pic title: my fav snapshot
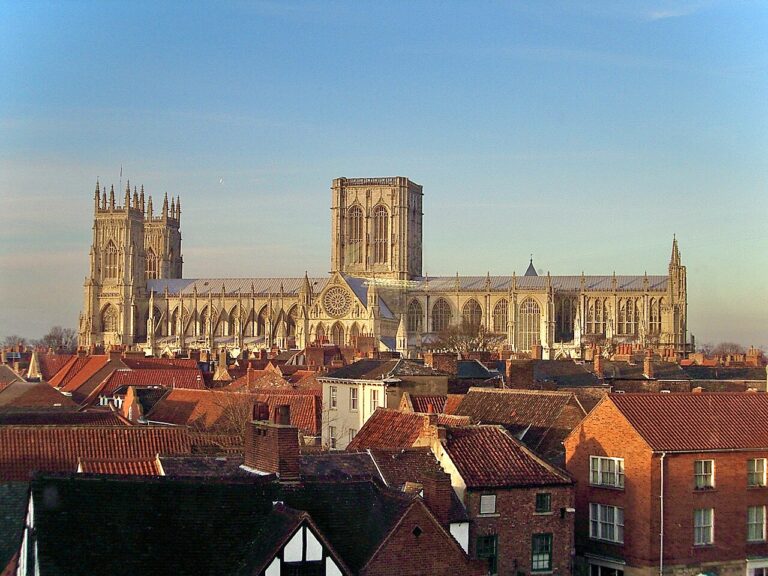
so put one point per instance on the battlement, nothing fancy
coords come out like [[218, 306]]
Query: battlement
[[387, 181], [135, 205]]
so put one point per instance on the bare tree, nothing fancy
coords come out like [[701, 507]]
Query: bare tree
[[466, 337], [728, 348], [13, 340], [59, 339]]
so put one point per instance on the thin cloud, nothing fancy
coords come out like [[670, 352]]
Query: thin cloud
[[678, 12]]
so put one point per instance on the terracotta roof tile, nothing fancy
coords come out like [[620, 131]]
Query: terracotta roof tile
[[50, 364], [393, 429], [120, 466], [422, 402], [160, 363], [34, 395], [488, 456], [27, 449], [452, 402], [8, 376], [174, 378], [62, 418], [695, 422]]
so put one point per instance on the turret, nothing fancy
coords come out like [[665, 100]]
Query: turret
[[141, 199], [149, 209], [96, 197], [103, 198], [173, 207], [674, 260], [165, 207], [135, 199], [178, 208], [112, 197], [401, 337], [127, 203]]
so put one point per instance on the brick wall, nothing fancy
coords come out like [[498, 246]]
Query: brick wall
[[272, 448]]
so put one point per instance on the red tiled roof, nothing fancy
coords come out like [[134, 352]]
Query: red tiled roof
[[191, 379], [488, 456], [306, 410], [7, 376], [394, 429], [34, 395], [50, 364], [119, 466], [160, 363], [422, 402], [695, 422], [83, 372], [26, 449], [257, 379], [452, 403]]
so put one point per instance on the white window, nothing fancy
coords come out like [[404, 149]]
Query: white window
[[353, 399], [756, 523], [606, 471], [606, 523], [487, 503], [374, 400], [703, 526], [352, 433], [704, 473], [756, 472], [334, 398], [332, 436]]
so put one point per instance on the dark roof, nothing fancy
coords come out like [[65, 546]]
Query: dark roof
[[370, 369], [563, 373], [726, 373], [695, 422], [531, 271], [148, 397], [473, 369], [13, 514], [8, 376], [614, 370], [338, 465], [489, 457], [203, 466]]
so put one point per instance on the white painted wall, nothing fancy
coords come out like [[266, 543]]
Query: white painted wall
[[273, 569], [343, 418], [314, 548], [294, 550], [330, 568], [460, 531]]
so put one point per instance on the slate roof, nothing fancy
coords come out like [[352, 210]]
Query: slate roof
[[120, 466], [372, 369], [235, 286], [696, 422], [27, 449], [338, 466], [13, 515], [473, 370], [613, 370], [34, 395], [564, 373], [560, 283], [203, 466], [393, 429], [726, 373], [489, 457]]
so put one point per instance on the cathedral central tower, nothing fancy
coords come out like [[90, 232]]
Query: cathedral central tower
[[376, 227]]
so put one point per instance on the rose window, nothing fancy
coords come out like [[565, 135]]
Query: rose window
[[337, 301]]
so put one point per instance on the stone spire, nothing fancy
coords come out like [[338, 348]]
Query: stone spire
[[178, 208], [127, 203], [96, 196], [136, 199], [165, 206], [531, 271], [112, 197], [675, 258], [141, 199], [149, 208], [402, 337]]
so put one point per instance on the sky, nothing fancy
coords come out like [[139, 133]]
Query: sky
[[584, 133]]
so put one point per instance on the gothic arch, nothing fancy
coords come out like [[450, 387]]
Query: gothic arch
[[290, 320], [471, 314], [261, 322], [415, 316], [109, 319], [530, 324], [355, 234], [380, 236], [354, 333], [152, 267], [110, 261], [319, 333], [441, 315], [337, 334], [501, 316]]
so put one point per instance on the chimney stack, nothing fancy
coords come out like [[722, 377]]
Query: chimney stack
[[273, 446], [598, 363], [648, 365], [437, 495]]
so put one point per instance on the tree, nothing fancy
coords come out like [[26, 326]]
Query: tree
[[13, 340], [466, 337], [59, 339], [728, 348]]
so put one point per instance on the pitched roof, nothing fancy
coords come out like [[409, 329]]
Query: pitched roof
[[393, 429], [203, 466], [8, 376], [120, 466], [27, 449], [62, 418], [34, 395], [726, 372], [338, 466], [625, 371], [697, 422], [50, 364], [561, 283], [149, 362], [13, 515], [422, 402], [452, 402], [187, 378], [563, 373], [488, 456], [473, 370], [376, 369], [75, 372]]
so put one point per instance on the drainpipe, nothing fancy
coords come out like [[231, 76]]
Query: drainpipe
[[661, 517]]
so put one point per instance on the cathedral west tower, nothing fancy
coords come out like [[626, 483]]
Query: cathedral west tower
[[376, 227]]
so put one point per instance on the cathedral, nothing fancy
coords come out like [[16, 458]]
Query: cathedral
[[135, 295]]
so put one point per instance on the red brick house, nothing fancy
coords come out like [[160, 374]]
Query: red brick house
[[672, 483]]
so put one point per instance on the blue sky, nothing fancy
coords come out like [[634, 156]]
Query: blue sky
[[586, 133]]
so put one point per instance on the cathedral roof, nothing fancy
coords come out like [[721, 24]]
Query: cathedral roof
[[531, 270], [262, 286]]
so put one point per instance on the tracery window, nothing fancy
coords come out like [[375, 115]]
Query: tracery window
[[291, 321], [337, 334], [415, 315], [596, 316], [110, 261], [109, 319], [380, 234], [565, 316], [530, 320], [654, 324], [152, 267], [471, 314], [261, 322], [354, 332], [205, 321], [501, 316], [320, 334], [441, 315], [355, 235], [627, 316]]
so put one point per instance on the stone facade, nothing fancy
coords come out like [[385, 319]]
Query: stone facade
[[135, 296]]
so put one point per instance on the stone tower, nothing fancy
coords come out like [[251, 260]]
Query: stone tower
[[130, 245], [376, 227], [676, 318]]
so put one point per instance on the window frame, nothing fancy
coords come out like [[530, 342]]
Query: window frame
[[484, 506], [598, 473], [333, 394], [487, 548], [374, 400], [353, 400], [758, 523], [703, 526], [704, 474], [332, 437], [599, 523], [546, 539], [759, 474], [547, 497]]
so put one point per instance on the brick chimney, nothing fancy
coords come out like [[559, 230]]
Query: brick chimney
[[598, 363], [444, 361], [273, 446], [537, 352], [648, 365], [437, 495]]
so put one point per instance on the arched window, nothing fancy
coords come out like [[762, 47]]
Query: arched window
[[530, 317], [501, 316], [471, 314], [152, 266], [157, 318], [337, 334], [355, 235], [206, 319], [354, 332], [233, 323], [291, 321], [596, 316], [109, 319], [565, 315], [627, 316], [415, 316], [261, 322], [380, 234], [320, 334], [110, 261], [441, 315], [175, 328], [654, 325]]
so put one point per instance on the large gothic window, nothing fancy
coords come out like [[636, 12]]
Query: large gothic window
[[291, 321], [441, 315], [530, 320], [337, 334], [261, 322], [355, 235], [471, 314], [596, 316], [320, 334], [627, 316], [110, 262], [205, 322], [109, 319], [380, 234], [565, 316], [654, 325], [415, 315], [501, 316], [354, 333], [233, 322], [152, 267]]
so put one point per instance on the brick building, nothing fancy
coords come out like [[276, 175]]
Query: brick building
[[672, 484]]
